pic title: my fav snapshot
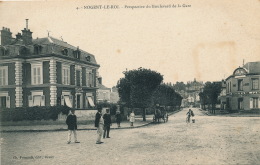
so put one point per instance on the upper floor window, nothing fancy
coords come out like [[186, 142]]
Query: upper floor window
[[240, 84], [78, 77], [4, 75], [91, 79], [36, 73], [255, 83], [65, 74]]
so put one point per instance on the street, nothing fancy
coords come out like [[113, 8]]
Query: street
[[210, 140]]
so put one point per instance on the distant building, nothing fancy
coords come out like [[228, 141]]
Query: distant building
[[114, 96], [45, 72], [222, 95], [242, 88], [193, 89], [103, 92]]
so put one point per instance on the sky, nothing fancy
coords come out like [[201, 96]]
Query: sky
[[206, 41]]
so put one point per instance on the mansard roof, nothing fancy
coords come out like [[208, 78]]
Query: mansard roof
[[252, 67]]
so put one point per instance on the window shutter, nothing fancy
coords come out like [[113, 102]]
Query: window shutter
[[62, 100], [86, 100], [251, 103], [30, 101], [43, 101], [71, 100], [7, 101], [258, 102]]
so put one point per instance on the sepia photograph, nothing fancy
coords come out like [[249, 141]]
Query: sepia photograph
[[127, 82]]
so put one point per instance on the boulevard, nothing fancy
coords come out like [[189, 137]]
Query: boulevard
[[210, 140]]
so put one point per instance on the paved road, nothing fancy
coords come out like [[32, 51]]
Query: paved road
[[211, 140]]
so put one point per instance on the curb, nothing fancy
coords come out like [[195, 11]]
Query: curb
[[86, 129]]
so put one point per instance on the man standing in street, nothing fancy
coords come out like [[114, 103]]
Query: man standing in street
[[99, 123], [71, 121], [107, 124]]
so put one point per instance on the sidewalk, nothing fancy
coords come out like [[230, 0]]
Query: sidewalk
[[90, 126], [226, 114], [46, 128]]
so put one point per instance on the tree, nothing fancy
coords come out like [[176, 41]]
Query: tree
[[210, 94], [137, 87], [165, 95], [180, 86]]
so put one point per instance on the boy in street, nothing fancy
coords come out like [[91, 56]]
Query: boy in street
[[71, 121], [99, 123], [107, 124]]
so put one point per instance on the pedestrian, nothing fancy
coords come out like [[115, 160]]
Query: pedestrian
[[71, 121], [189, 115], [107, 124], [99, 123], [118, 118], [132, 118]]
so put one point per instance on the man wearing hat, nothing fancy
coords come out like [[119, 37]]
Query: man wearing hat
[[71, 121]]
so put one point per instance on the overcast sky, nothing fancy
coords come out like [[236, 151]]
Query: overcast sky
[[206, 41]]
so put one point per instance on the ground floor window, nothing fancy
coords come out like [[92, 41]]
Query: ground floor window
[[255, 102], [2, 102], [36, 99], [89, 101], [67, 100]]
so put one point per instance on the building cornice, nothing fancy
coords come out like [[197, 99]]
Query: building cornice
[[46, 57]]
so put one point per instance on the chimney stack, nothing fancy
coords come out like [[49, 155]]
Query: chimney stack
[[26, 24], [27, 34], [5, 36]]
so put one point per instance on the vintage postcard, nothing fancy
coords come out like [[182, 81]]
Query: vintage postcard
[[130, 82]]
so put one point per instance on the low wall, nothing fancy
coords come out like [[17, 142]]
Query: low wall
[[81, 115]]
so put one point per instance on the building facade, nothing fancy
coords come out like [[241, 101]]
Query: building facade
[[193, 89], [45, 72], [242, 88], [103, 92]]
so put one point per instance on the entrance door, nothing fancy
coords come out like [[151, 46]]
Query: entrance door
[[240, 103]]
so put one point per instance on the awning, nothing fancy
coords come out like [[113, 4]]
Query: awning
[[90, 101], [67, 101], [37, 100]]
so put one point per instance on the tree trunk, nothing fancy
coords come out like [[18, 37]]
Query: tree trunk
[[144, 117]]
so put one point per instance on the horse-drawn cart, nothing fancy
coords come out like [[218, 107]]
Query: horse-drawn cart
[[160, 113]]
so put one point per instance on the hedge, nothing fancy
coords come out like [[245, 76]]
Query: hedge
[[33, 113]]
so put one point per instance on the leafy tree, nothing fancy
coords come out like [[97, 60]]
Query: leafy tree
[[210, 94], [179, 86], [137, 87]]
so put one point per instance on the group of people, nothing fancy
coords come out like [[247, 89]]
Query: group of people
[[102, 123]]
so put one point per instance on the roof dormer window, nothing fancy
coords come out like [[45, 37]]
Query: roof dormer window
[[76, 54], [65, 52], [37, 49], [4, 51], [88, 58]]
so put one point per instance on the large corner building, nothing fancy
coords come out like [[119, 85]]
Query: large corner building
[[242, 88], [45, 72]]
